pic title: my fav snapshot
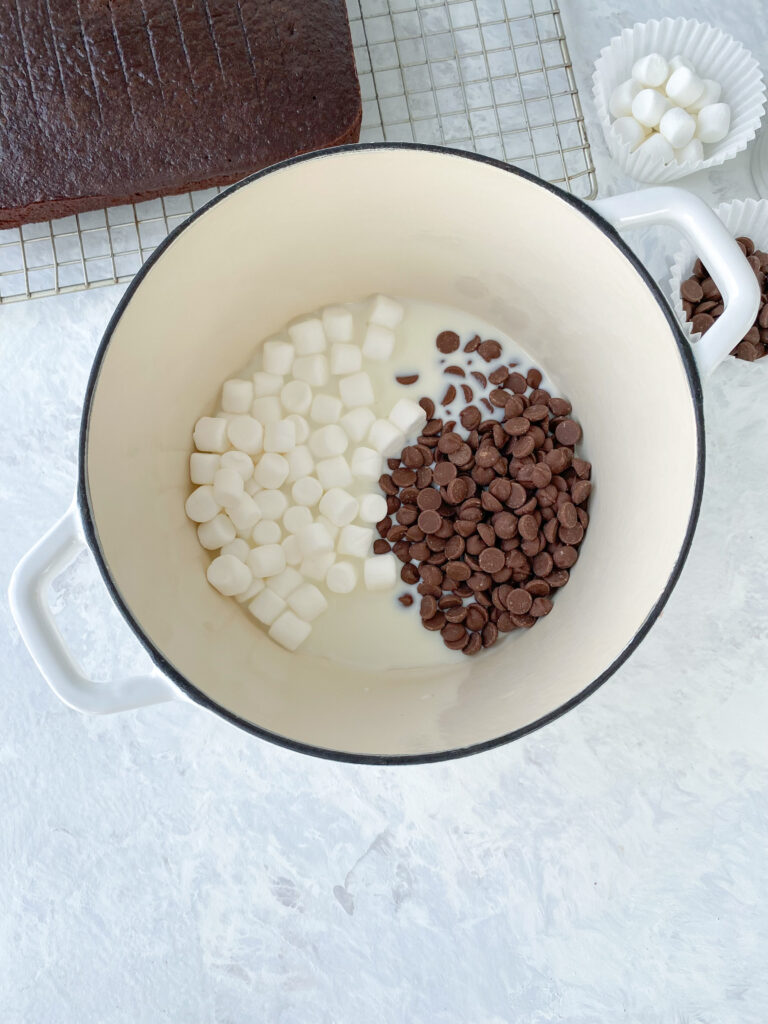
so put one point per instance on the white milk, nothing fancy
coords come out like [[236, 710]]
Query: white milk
[[363, 628]]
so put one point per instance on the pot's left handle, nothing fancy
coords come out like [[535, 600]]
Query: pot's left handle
[[29, 604], [716, 247]]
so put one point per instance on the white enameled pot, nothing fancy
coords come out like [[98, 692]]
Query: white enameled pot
[[433, 224]]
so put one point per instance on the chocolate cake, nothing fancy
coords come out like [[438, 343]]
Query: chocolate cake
[[113, 101]]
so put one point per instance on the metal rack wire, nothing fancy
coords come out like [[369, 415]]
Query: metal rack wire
[[491, 76]]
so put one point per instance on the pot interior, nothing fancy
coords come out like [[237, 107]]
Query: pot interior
[[423, 224]]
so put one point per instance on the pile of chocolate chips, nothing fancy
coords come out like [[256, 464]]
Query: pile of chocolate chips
[[703, 303], [488, 522]]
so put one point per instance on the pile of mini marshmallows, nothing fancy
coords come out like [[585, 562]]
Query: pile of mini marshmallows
[[275, 473], [666, 111]]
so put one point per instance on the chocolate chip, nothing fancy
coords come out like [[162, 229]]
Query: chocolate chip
[[411, 378], [406, 599], [491, 560], [480, 378], [474, 644], [447, 341], [455, 370], [380, 547], [409, 573], [449, 395], [473, 344], [701, 323], [568, 432], [435, 623], [430, 521], [428, 406], [691, 290]]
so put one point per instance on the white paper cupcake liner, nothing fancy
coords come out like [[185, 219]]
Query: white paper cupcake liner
[[742, 217], [714, 55]]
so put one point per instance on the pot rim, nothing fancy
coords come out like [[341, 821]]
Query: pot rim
[[196, 695]]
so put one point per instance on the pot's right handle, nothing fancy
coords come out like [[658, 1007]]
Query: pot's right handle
[[716, 248], [29, 604]]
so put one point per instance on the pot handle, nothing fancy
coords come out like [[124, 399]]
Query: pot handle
[[28, 595], [717, 249]]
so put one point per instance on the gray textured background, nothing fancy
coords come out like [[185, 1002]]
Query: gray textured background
[[162, 866]]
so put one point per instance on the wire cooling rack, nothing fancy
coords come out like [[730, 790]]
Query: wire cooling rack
[[491, 76]]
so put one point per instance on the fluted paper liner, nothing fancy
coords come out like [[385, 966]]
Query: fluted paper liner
[[715, 55], [742, 217]]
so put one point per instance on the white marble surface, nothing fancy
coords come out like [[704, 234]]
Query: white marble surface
[[163, 866]]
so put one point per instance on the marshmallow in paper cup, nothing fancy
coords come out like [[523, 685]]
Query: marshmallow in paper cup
[[716, 57], [742, 217]]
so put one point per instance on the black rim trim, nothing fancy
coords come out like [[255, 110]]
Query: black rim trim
[[191, 691]]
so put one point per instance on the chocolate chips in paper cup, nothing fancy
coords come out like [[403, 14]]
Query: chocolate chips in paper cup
[[487, 513], [703, 303]]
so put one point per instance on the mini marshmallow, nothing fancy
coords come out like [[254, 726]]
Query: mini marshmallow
[[266, 409], [216, 532], [244, 514], [380, 572], [315, 567], [266, 384], [251, 487], [357, 422], [229, 575], [677, 126], [296, 397], [620, 103], [339, 506], [266, 560], [289, 631], [711, 94], [255, 588], [278, 357], [713, 122], [210, 434], [308, 602], [314, 539], [385, 312], [408, 416], [684, 87], [201, 506], [300, 463], [271, 470], [649, 106], [345, 359], [355, 541], [311, 369], [296, 518], [694, 151], [651, 70], [356, 390], [327, 441], [241, 462], [307, 491], [285, 582], [202, 467], [379, 343], [657, 147], [332, 528], [341, 578], [334, 472], [325, 409], [246, 434], [678, 61], [236, 395], [338, 323], [272, 503], [237, 547], [300, 426], [373, 508], [267, 606], [365, 464], [267, 532], [308, 337], [227, 486], [630, 131], [291, 549], [385, 438], [279, 437]]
